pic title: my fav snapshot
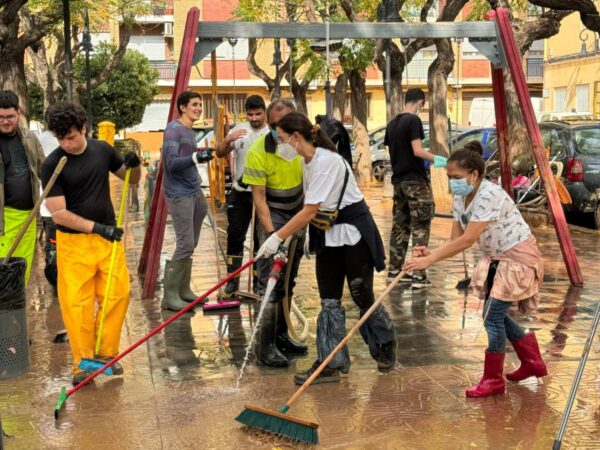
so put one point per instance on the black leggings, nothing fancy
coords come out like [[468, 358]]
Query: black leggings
[[353, 264]]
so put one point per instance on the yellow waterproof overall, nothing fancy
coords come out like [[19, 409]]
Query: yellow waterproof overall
[[83, 262], [14, 219]]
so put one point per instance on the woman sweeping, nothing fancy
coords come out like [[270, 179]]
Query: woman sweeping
[[510, 271], [346, 241]]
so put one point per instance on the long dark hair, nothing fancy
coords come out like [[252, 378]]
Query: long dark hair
[[298, 122]]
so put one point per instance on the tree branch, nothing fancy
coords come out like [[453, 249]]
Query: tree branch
[[425, 10], [124, 35], [10, 9], [348, 9], [253, 66]]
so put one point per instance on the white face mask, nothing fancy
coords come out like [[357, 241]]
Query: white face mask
[[287, 151]]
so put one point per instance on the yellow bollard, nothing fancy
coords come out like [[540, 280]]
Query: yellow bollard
[[106, 132]]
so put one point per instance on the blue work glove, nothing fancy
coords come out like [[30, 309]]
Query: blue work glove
[[109, 232], [204, 155], [439, 162], [131, 160]]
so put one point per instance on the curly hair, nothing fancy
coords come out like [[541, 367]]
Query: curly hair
[[63, 117]]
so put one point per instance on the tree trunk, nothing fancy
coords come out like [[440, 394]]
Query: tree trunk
[[358, 96], [299, 92], [339, 96], [358, 100], [437, 83], [520, 143], [397, 65], [12, 73], [361, 144]]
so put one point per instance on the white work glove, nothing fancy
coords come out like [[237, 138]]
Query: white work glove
[[269, 247]]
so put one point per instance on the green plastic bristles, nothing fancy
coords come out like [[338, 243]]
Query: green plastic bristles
[[62, 398], [273, 422]]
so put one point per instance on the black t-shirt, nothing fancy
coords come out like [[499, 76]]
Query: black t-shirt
[[399, 134], [17, 175], [84, 181]]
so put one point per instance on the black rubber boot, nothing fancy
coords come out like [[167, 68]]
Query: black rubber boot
[[283, 340], [185, 291], [234, 262], [269, 354], [387, 356], [174, 271]]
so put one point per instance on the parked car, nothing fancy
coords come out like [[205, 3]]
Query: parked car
[[577, 146], [486, 136], [566, 116], [380, 156]]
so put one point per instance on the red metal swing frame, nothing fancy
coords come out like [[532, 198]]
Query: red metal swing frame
[[150, 258]]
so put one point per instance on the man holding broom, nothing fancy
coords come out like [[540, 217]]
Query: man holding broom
[[81, 207], [21, 158]]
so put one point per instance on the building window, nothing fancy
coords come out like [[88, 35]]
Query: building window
[[228, 101], [469, 51], [348, 111], [560, 99], [227, 51], [583, 97]]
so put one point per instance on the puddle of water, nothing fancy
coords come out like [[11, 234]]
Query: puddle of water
[[270, 286]]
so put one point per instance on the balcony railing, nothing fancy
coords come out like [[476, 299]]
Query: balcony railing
[[166, 69], [535, 67]]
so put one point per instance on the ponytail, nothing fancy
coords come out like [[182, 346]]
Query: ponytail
[[320, 139], [298, 122]]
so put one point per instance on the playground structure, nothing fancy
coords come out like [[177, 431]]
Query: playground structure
[[494, 39]]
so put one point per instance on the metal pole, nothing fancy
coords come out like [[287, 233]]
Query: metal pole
[[68, 57], [277, 63], [87, 43], [586, 351], [388, 66], [328, 100]]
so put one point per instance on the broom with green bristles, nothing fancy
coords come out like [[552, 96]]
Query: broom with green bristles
[[277, 422]]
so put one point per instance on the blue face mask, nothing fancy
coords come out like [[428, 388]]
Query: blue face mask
[[461, 187], [275, 135]]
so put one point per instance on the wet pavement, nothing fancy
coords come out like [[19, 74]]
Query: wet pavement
[[178, 390]]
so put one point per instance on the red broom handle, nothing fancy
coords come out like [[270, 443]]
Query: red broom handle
[[159, 328]]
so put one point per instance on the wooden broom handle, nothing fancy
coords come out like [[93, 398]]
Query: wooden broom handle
[[36, 208], [344, 341]]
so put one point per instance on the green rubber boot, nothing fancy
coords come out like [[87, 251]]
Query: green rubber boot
[[173, 278], [185, 290]]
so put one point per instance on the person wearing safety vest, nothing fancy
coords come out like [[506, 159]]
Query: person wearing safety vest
[[277, 193]]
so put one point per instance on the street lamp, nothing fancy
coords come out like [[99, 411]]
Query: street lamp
[[277, 62], [68, 57], [390, 13], [86, 44]]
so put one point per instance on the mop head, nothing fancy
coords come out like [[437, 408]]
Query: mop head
[[219, 305], [62, 398], [91, 365], [280, 424]]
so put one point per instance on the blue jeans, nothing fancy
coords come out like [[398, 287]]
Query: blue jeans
[[499, 326]]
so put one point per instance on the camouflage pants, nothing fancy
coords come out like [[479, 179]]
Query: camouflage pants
[[413, 213]]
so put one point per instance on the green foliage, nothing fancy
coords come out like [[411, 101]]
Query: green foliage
[[35, 96], [127, 92], [357, 54], [481, 8]]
